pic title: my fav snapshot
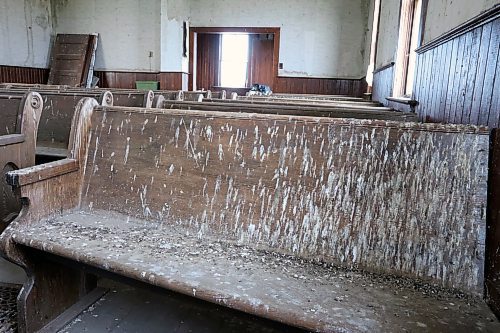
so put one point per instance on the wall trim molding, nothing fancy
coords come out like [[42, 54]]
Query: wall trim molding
[[477, 21], [384, 67]]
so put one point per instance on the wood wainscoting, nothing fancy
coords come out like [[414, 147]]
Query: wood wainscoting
[[383, 79], [457, 77], [107, 79], [18, 74], [126, 80], [323, 86]]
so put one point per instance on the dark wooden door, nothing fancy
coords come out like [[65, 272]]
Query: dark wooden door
[[208, 61], [70, 60], [261, 59]]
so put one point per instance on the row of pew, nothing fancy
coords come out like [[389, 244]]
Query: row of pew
[[326, 213]]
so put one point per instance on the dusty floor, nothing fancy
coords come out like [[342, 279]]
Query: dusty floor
[[128, 309]]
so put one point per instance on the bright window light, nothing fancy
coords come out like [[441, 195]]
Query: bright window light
[[234, 60]]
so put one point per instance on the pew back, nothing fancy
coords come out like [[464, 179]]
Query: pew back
[[11, 110], [347, 191], [334, 111]]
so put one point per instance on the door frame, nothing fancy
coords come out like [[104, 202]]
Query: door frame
[[193, 31]]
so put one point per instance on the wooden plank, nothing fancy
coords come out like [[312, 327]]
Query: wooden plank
[[11, 139], [456, 79], [439, 68], [67, 316], [462, 83], [434, 65], [424, 81], [482, 115], [467, 113], [495, 100], [68, 60], [448, 47], [451, 79], [491, 65], [436, 88]]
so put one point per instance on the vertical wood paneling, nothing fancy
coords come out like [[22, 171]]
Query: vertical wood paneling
[[207, 61], [30, 75], [322, 86], [495, 101], [437, 89], [382, 84], [261, 65], [463, 79], [451, 80], [489, 78], [481, 118], [126, 80], [471, 75], [456, 80]]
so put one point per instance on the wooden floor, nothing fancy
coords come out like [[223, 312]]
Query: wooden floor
[[133, 309], [128, 309]]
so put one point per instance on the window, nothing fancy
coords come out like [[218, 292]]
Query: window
[[234, 60], [409, 40]]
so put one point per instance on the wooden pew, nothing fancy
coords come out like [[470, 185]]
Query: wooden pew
[[222, 94], [331, 225], [334, 111], [55, 122], [122, 97], [282, 101], [313, 97], [267, 99], [20, 116], [57, 116]]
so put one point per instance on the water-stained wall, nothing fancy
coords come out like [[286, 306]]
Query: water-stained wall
[[25, 32]]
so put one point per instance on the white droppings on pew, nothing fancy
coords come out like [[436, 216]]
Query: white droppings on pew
[[221, 152]]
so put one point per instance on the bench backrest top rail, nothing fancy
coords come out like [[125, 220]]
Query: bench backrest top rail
[[278, 101], [357, 192], [333, 106], [337, 112]]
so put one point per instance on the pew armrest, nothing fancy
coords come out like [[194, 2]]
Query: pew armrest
[[11, 139], [42, 172]]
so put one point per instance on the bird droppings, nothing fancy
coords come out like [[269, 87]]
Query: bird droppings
[[268, 283]]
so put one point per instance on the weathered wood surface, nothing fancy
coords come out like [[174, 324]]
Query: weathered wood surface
[[314, 97], [70, 60], [383, 83], [55, 122], [54, 187], [297, 110], [20, 116], [122, 97], [164, 192], [456, 77], [10, 106], [297, 101], [222, 94]]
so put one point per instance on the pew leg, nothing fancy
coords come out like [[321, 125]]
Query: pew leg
[[51, 288]]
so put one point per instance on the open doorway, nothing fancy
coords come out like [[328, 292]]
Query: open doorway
[[233, 58]]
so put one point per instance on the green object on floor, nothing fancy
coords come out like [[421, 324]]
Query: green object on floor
[[146, 85]]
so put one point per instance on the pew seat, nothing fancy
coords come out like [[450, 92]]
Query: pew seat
[[307, 294]]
